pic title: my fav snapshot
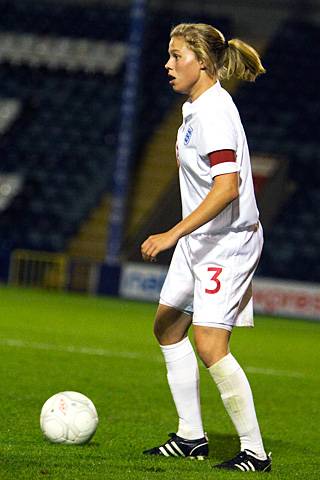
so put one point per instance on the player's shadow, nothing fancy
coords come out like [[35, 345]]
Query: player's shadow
[[222, 446]]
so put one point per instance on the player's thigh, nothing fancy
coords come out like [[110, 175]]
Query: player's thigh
[[171, 325], [178, 287]]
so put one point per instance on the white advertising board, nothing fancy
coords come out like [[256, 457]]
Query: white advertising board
[[279, 297], [142, 282]]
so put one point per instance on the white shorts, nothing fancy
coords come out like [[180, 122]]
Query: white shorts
[[210, 277]]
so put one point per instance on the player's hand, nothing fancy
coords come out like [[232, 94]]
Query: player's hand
[[156, 244]]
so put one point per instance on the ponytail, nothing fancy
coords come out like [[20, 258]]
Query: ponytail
[[242, 61]]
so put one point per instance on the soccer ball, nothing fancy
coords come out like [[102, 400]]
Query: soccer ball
[[69, 417]]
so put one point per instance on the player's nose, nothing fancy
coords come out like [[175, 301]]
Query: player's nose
[[167, 66]]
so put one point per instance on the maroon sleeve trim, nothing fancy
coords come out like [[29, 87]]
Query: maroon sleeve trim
[[222, 156]]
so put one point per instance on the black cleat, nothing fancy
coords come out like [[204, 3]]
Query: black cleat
[[246, 461], [180, 447]]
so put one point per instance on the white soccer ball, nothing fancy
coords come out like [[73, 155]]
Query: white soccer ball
[[69, 417]]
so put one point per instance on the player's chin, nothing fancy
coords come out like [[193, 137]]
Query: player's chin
[[175, 85], [176, 88]]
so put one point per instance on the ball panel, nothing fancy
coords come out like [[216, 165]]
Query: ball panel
[[54, 429]]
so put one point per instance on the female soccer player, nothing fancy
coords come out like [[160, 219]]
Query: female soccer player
[[219, 242]]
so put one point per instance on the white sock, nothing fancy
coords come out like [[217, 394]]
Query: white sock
[[183, 379], [237, 398]]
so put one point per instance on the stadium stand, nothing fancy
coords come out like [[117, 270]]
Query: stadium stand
[[59, 63], [57, 66], [281, 117]]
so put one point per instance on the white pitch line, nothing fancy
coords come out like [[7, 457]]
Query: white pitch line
[[102, 352], [9, 342], [277, 373]]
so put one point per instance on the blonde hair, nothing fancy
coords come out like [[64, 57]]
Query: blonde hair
[[221, 58]]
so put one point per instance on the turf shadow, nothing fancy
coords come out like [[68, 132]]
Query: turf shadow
[[222, 446]]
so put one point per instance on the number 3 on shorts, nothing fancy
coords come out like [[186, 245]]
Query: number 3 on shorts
[[217, 271]]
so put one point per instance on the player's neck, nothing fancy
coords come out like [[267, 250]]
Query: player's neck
[[200, 87]]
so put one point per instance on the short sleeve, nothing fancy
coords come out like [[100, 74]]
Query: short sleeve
[[217, 132], [222, 168], [223, 161]]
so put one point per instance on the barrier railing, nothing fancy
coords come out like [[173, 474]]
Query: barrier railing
[[39, 269]]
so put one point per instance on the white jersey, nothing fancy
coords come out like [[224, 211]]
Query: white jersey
[[212, 123]]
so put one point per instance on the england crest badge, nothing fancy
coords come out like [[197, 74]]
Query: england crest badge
[[188, 135]]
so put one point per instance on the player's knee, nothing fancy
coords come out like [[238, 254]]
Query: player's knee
[[166, 336], [205, 354], [170, 326], [210, 356], [158, 331], [162, 332], [211, 345]]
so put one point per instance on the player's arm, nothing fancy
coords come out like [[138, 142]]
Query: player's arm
[[225, 189]]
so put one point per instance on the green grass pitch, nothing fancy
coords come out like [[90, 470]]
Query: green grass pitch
[[104, 348]]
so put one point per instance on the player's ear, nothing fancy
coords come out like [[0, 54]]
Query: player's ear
[[202, 65]]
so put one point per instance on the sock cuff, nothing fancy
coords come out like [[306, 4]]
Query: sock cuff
[[223, 368], [176, 351]]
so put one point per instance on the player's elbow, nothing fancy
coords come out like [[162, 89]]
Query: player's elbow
[[228, 186], [232, 193]]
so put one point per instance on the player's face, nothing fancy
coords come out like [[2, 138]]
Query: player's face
[[184, 69]]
